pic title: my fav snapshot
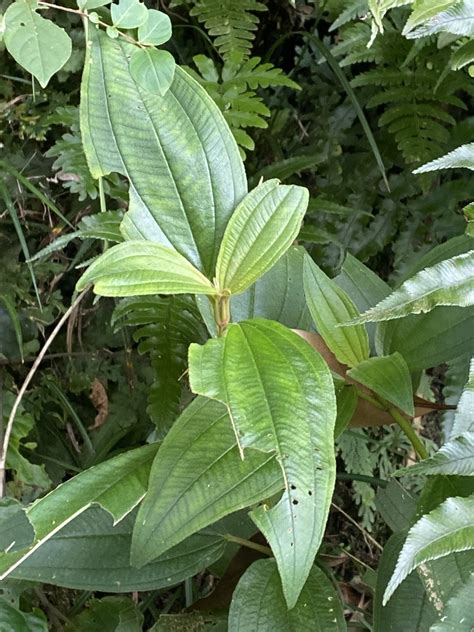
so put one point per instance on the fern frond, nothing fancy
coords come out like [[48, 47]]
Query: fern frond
[[354, 9], [166, 328], [231, 22]]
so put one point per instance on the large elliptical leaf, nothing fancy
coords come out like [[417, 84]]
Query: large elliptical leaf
[[280, 396], [458, 615], [330, 306], [258, 603], [450, 282], [446, 529], [260, 231], [198, 478], [117, 485], [186, 175], [138, 268]]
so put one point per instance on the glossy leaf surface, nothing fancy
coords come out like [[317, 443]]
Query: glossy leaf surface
[[260, 231], [281, 399], [186, 175], [258, 603], [136, 268]]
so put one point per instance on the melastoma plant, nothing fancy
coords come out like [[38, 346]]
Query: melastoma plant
[[288, 365]]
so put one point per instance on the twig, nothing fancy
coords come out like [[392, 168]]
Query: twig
[[248, 543], [356, 524], [24, 386]]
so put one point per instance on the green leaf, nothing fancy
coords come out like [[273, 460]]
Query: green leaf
[[41, 47], [458, 615], [16, 530], [15, 321], [156, 30], [92, 4], [294, 419], [93, 553], [397, 507], [410, 608], [153, 70], [128, 14], [446, 529], [198, 478], [363, 287], [460, 157], [12, 620], [464, 417], [117, 485], [329, 307], [346, 396], [258, 603], [181, 159], [449, 282], [259, 232], [457, 19], [136, 268], [462, 57], [109, 614], [454, 458], [389, 377]]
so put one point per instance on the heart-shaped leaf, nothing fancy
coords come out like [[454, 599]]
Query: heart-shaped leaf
[[136, 268], [39, 45], [128, 14], [156, 30], [280, 395], [153, 69]]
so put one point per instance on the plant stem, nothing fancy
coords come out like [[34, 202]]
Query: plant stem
[[410, 432], [371, 480], [248, 543], [222, 312], [24, 386]]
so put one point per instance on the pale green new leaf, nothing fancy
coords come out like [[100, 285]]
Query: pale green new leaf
[[458, 616], [280, 395], [136, 268], [156, 30], [39, 45], [258, 603], [129, 14], [153, 69], [464, 417], [457, 19], [446, 529], [117, 485], [260, 231], [197, 479], [460, 157], [186, 175], [456, 457], [330, 306], [389, 377], [449, 282]]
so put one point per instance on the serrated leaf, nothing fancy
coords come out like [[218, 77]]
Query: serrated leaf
[[409, 609], [198, 478], [128, 14], [91, 553], [446, 529], [458, 614], [456, 457], [461, 157], [181, 159], [259, 232], [117, 485], [39, 45], [464, 417], [463, 56], [138, 268], [156, 30], [389, 377], [330, 306], [295, 420], [153, 69], [457, 19], [449, 282], [258, 599]]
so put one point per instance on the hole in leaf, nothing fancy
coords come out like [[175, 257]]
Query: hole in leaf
[[292, 486], [295, 502], [310, 492]]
